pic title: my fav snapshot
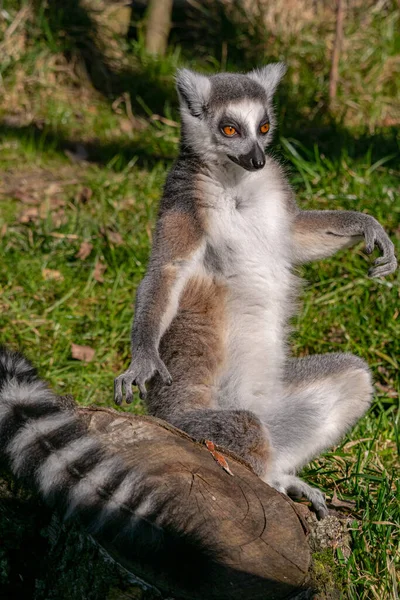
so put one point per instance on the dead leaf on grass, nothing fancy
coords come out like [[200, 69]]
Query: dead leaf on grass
[[347, 504], [84, 195], [26, 197], [168, 122], [29, 215], [53, 189], [99, 269], [84, 250], [126, 125], [115, 238], [49, 274], [112, 236], [386, 390], [64, 236], [84, 353]]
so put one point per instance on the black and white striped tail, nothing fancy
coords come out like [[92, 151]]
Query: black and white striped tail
[[45, 444]]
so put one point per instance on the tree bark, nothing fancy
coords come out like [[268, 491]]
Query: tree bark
[[159, 15], [337, 47], [256, 541]]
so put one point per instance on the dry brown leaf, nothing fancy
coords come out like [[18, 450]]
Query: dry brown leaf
[[99, 269], [52, 189], [53, 202], [84, 250], [149, 232], [218, 457], [29, 215], [115, 238], [59, 218], [386, 390], [26, 197], [347, 504], [127, 203], [64, 236], [126, 125], [84, 353], [48, 274], [3, 230], [164, 120], [84, 195]]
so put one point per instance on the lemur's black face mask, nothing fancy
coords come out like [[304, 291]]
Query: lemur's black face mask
[[252, 161]]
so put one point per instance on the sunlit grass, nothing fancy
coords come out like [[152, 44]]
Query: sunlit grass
[[90, 167]]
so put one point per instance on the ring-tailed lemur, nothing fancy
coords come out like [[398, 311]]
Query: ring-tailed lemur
[[212, 311]]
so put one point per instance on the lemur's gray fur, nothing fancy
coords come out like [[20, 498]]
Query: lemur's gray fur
[[212, 312]]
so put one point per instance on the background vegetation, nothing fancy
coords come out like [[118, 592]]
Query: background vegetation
[[89, 127]]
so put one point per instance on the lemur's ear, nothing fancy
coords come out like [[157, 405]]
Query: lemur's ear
[[194, 90], [269, 76]]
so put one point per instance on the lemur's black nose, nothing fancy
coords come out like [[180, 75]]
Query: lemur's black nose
[[258, 163]]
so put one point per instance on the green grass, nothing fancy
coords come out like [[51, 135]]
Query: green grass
[[111, 201]]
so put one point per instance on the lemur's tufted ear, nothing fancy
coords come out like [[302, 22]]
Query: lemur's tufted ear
[[194, 91], [269, 76]]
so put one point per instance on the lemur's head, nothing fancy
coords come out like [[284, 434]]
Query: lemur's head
[[229, 116]]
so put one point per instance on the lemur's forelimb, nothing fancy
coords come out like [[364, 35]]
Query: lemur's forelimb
[[176, 246], [320, 233]]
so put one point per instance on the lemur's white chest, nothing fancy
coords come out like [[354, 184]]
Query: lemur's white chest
[[248, 233]]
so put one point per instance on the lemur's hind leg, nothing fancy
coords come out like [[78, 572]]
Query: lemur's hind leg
[[238, 430], [325, 395], [193, 349]]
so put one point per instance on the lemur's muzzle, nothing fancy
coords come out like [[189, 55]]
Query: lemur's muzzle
[[252, 161]]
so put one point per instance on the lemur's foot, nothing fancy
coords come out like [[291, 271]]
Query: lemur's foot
[[295, 488]]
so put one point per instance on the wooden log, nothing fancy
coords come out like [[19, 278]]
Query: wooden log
[[246, 540], [256, 536]]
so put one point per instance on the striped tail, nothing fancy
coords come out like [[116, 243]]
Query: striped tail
[[45, 444]]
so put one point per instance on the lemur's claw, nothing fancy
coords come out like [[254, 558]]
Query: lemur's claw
[[142, 390], [321, 513], [383, 266]]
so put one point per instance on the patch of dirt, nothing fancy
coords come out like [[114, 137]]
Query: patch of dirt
[[33, 185]]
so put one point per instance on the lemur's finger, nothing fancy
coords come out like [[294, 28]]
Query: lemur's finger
[[142, 389], [164, 373], [118, 391], [128, 390], [381, 260], [369, 241]]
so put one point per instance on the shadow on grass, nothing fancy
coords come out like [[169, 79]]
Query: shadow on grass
[[146, 152], [72, 30]]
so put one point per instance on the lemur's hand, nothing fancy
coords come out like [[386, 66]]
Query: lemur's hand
[[145, 363], [375, 235]]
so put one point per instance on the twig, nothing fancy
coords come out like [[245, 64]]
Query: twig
[[21, 16]]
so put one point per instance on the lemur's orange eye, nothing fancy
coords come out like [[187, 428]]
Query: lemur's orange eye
[[264, 128], [229, 130]]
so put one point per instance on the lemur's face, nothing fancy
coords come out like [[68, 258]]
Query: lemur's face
[[229, 117], [241, 131]]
